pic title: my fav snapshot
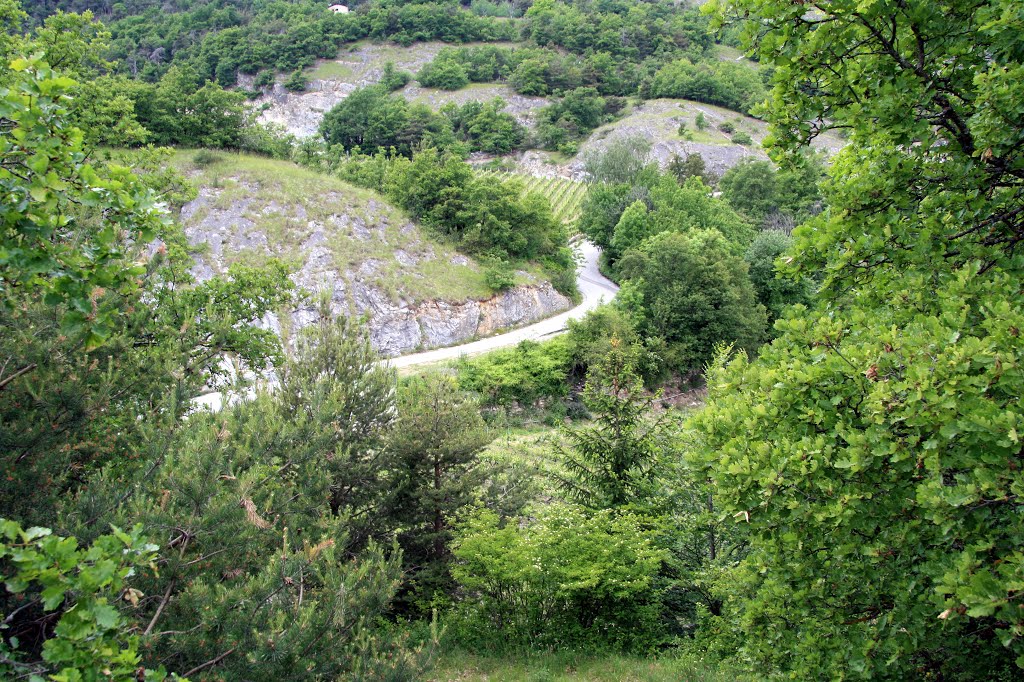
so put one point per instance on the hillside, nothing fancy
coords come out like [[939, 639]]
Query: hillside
[[362, 64], [416, 290], [657, 120]]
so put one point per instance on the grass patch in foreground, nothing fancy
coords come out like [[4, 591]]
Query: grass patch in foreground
[[464, 667]]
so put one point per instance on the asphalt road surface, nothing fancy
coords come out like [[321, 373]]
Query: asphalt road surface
[[595, 288]]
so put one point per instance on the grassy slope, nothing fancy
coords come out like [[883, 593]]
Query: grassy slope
[[284, 200], [462, 667]]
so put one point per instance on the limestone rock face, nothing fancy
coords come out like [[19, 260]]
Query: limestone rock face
[[226, 228]]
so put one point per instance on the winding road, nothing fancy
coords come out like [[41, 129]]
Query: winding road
[[595, 288]]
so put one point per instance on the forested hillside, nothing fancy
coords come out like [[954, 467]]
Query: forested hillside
[[788, 448]]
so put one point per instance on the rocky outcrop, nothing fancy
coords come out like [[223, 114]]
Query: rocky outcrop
[[245, 224], [397, 329]]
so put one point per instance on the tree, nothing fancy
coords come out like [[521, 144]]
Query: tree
[[762, 193], [67, 230], [690, 291], [443, 73], [774, 292], [633, 227], [933, 169], [872, 453], [620, 162], [266, 515], [436, 441], [610, 465], [692, 166], [335, 387], [873, 447], [47, 576]]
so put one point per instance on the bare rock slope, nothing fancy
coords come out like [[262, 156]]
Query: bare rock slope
[[354, 248], [362, 64]]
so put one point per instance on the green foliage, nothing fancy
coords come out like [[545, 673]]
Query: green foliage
[[182, 109], [570, 579], [69, 410], [742, 138], [591, 340], [484, 215], [63, 222], [690, 291], [779, 199], [373, 120], [692, 166], [610, 464], [436, 441], [774, 292], [266, 514], [446, 74], [574, 116], [46, 576], [727, 84], [873, 447], [486, 127], [297, 81], [932, 171], [522, 375], [874, 455], [392, 79], [620, 162], [500, 275], [700, 121]]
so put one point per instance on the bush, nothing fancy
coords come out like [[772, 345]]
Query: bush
[[444, 73], [742, 138], [571, 579], [499, 275], [297, 81], [264, 79], [727, 128], [522, 375]]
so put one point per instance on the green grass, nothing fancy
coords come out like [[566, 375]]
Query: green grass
[[463, 667], [327, 71]]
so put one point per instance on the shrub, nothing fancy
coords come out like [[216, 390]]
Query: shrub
[[571, 579], [205, 157], [297, 81], [444, 73], [742, 138], [499, 275], [727, 128], [264, 79], [525, 374]]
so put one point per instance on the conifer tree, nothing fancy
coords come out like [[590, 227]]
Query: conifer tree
[[437, 439], [611, 463]]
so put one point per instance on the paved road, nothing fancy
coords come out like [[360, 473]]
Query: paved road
[[594, 286]]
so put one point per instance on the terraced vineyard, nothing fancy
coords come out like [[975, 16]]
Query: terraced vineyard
[[566, 196]]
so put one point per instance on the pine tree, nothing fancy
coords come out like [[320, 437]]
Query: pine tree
[[438, 437]]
